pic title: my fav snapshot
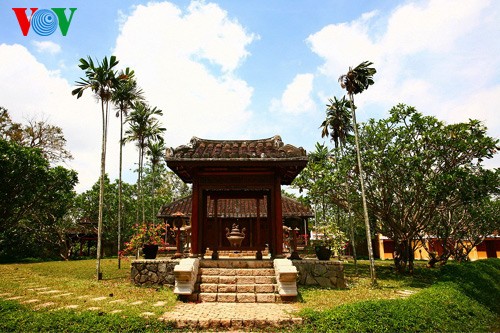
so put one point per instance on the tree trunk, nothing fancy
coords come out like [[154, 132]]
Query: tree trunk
[[138, 208], [363, 196], [101, 190], [153, 194], [140, 182], [351, 225], [403, 256], [353, 243], [120, 191]]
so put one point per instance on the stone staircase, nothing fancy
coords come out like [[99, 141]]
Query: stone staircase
[[236, 281]]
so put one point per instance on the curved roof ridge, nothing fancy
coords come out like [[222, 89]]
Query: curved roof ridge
[[271, 148], [196, 139]]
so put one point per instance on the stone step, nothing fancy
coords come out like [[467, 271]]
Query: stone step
[[236, 272], [236, 281], [237, 288], [235, 297], [236, 263], [239, 254]]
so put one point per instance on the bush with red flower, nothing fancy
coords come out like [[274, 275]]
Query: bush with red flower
[[145, 234]]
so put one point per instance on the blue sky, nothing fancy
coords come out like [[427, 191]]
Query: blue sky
[[253, 69]]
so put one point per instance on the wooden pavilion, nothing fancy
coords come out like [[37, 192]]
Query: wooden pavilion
[[241, 173], [242, 212]]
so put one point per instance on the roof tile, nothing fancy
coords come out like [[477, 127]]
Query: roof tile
[[233, 149]]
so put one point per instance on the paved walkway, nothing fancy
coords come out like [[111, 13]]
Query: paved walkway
[[232, 315], [209, 316]]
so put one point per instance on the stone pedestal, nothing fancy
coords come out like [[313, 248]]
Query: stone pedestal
[[153, 272], [323, 273], [186, 274], [286, 277]]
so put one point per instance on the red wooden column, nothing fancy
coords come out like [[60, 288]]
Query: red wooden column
[[278, 217], [195, 216], [215, 251]]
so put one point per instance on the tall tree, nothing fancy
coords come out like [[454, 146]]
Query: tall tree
[[9, 130], [35, 134], [338, 122], [316, 178], [355, 82], [124, 95], [143, 129], [156, 152], [418, 170], [338, 125], [33, 200], [101, 79]]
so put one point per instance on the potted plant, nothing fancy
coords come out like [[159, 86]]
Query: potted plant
[[148, 237], [329, 239]]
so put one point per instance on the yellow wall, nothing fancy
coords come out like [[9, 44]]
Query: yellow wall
[[422, 254]]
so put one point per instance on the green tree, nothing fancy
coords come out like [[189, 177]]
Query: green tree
[[123, 97], [468, 211], [156, 153], [338, 126], [143, 129], [355, 82], [338, 122], [35, 134], [317, 179], [34, 197], [415, 167], [168, 188], [101, 79], [86, 208], [460, 228], [9, 130]]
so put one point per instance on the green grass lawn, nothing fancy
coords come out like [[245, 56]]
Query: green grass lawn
[[58, 294], [390, 285], [454, 298], [72, 285]]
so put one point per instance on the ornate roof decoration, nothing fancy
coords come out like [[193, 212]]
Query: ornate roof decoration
[[237, 156], [233, 208], [202, 149]]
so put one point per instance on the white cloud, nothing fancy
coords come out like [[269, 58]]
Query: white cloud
[[345, 44], [440, 56], [47, 47], [29, 90], [296, 98], [430, 26], [185, 62]]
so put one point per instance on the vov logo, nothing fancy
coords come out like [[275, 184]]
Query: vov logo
[[44, 22]]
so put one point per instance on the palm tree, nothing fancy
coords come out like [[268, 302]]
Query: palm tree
[[101, 79], [143, 128], [354, 82], [123, 97], [156, 150], [338, 126], [338, 123]]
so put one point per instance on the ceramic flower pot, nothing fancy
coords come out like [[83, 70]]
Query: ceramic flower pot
[[150, 251], [323, 252]]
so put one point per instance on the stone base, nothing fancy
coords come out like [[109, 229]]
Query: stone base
[[323, 273], [160, 272], [153, 272]]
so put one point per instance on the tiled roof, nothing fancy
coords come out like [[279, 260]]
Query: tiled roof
[[271, 148], [237, 208]]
